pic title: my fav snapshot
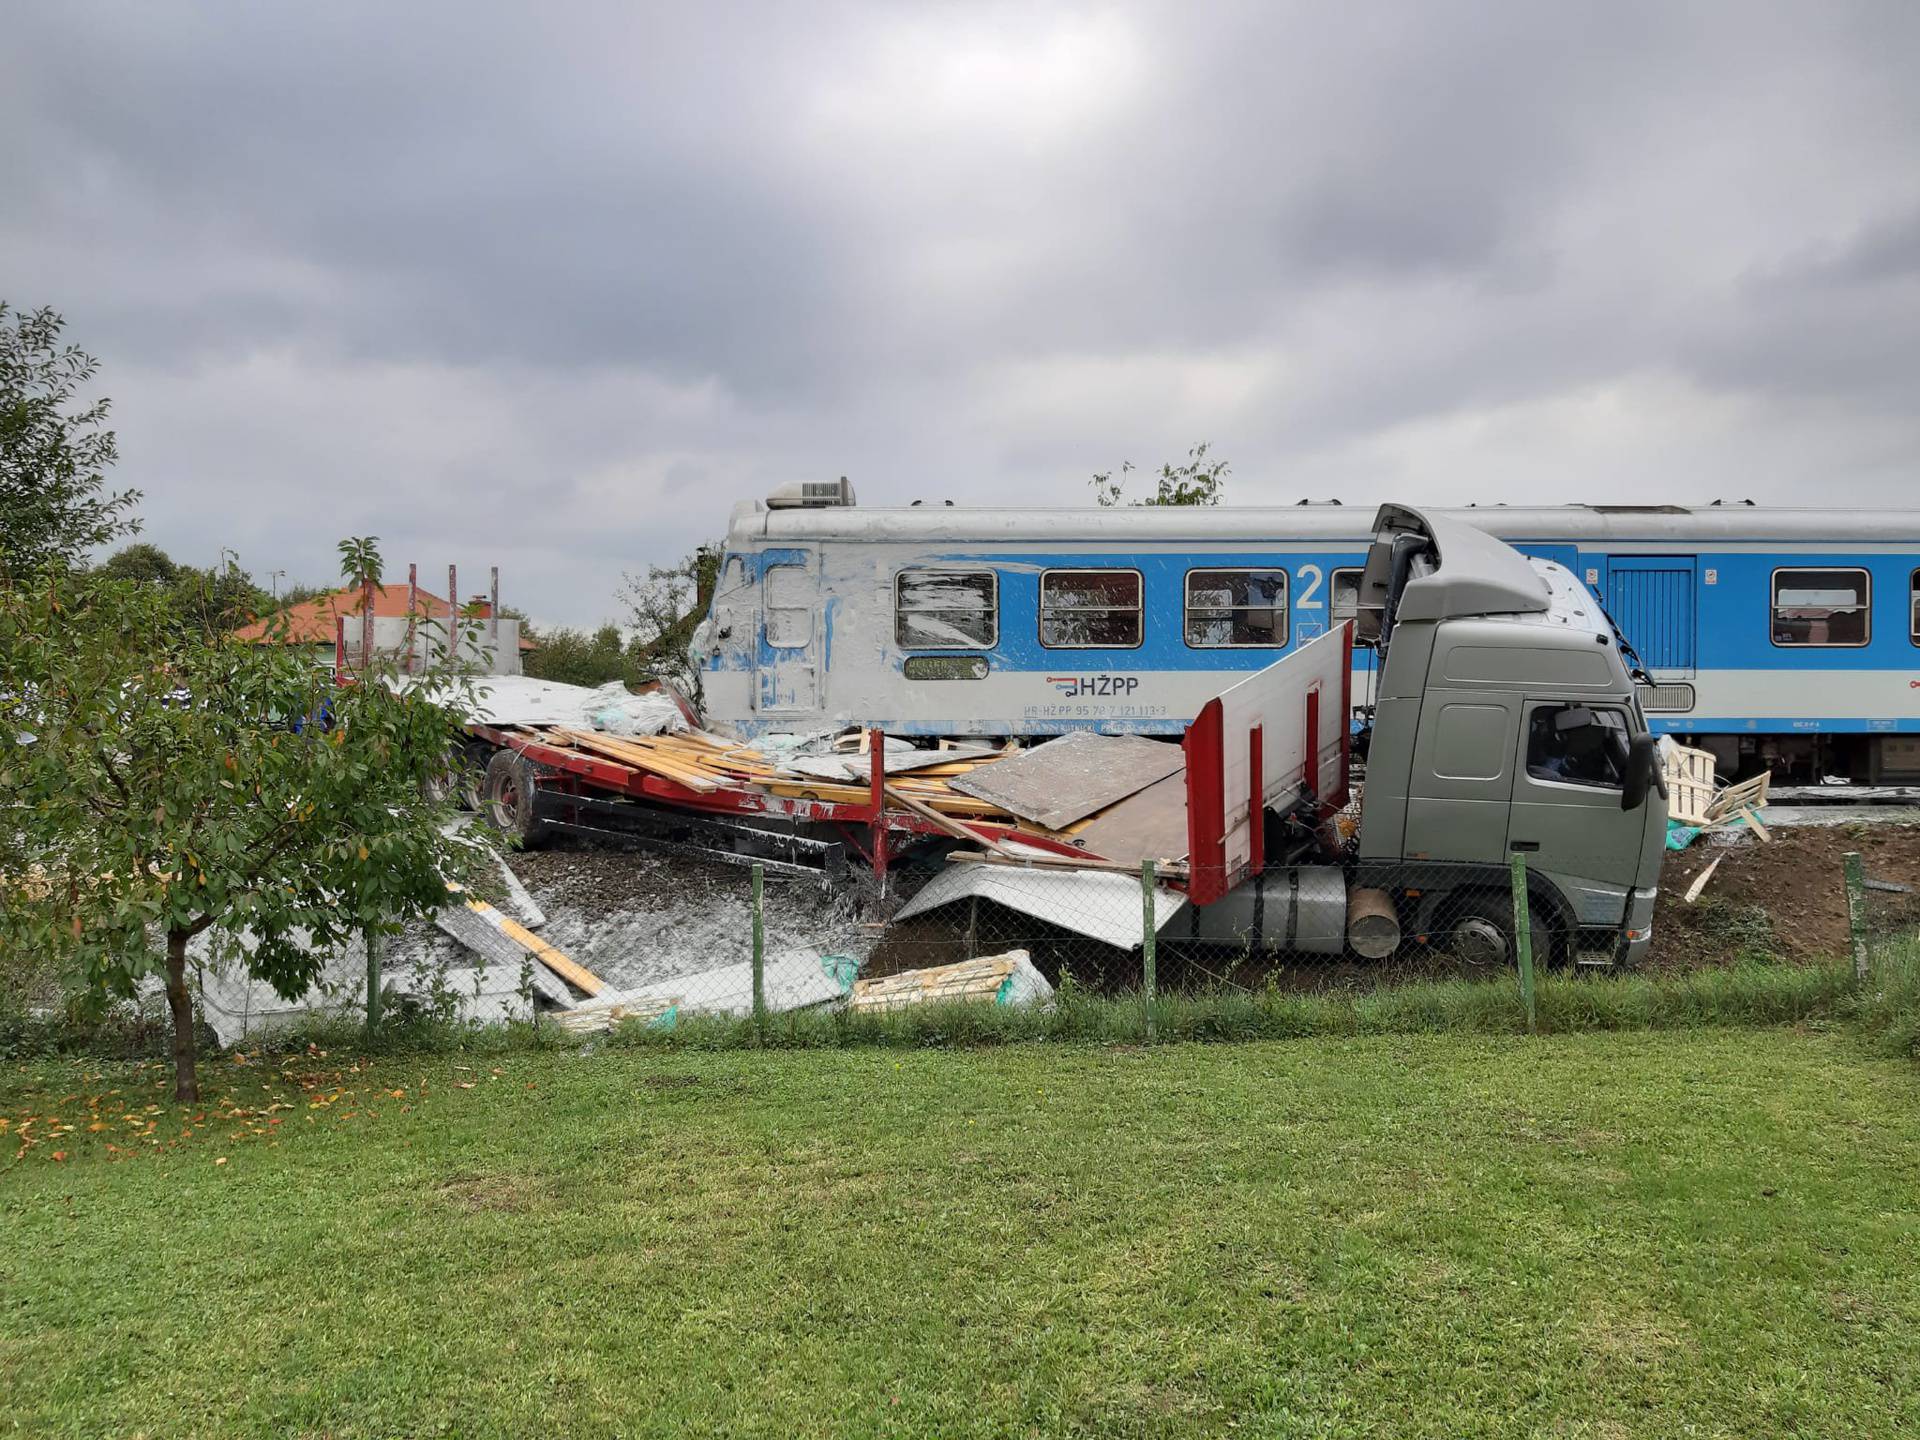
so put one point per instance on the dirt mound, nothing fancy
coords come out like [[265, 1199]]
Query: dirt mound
[[1784, 900]]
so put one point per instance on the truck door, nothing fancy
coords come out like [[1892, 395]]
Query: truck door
[[1568, 775], [1651, 599], [790, 639], [1462, 776]]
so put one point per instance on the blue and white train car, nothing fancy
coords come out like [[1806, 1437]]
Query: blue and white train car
[[1776, 637]]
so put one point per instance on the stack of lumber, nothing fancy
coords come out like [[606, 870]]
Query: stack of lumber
[[934, 792], [707, 764]]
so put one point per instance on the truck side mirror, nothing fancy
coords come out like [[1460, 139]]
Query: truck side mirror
[[1643, 773]]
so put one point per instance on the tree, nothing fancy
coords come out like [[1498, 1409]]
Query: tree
[[54, 451], [575, 657], [1197, 481], [667, 606], [217, 599], [141, 562], [167, 780]]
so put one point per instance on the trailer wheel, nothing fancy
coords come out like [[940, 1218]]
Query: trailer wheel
[[511, 796], [471, 782], [438, 787], [1481, 933]]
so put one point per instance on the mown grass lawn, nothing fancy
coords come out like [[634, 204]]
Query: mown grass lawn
[[1711, 1232]]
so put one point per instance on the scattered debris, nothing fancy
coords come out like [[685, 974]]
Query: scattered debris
[[503, 941], [1073, 777], [530, 913], [1700, 880], [793, 980], [1103, 905], [1008, 979], [1697, 803]]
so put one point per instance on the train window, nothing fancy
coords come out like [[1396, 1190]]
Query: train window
[[789, 606], [1088, 609], [945, 609], [1821, 607], [1236, 607], [1346, 594]]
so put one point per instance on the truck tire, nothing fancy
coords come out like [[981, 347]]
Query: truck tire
[[1480, 932], [471, 781], [511, 799]]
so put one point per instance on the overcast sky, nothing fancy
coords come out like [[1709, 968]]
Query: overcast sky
[[552, 286]]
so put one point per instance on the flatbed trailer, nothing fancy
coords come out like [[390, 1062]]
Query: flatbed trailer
[[533, 783]]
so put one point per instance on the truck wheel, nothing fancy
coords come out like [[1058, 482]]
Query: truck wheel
[[438, 787], [471, 782], [1481, 932], [511, 796]]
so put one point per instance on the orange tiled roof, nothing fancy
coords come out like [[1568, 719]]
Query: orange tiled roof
[[313, 622]]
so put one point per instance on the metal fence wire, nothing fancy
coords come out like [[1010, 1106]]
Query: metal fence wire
[[1017, 934], [1883, 922]]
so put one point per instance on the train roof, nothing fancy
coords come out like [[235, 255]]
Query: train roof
[[752, 521]]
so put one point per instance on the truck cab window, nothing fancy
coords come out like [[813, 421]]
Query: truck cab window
[[1236, 607], [945, 609], [1089, 609], [1577, 745], [1820, 607]]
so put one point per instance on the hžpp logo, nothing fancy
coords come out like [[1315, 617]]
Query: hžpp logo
[[1076, 687]]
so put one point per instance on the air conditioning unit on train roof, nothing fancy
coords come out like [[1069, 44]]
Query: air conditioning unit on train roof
[[812, 495]]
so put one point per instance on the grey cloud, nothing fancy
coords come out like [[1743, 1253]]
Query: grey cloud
[[555, 287]]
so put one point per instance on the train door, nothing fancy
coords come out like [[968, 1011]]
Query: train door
[[1651, 599], [790, 640]]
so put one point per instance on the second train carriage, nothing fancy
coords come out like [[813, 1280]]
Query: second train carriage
[[1785, 638]]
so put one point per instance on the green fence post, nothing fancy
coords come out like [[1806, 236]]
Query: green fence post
[[759, 955], [1523, 937], [1856, 875], [1147, 925], [373, 980]]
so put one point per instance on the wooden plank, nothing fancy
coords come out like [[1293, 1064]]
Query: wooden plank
[[566, 968], [505, 941], [1753, 821], [1165, 868], [1700, 880], [946, 823], [680, 772]]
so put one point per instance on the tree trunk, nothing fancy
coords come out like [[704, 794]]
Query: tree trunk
[[186, 1079]]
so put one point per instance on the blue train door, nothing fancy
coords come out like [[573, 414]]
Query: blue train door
[[1651, 599], [790, 642]]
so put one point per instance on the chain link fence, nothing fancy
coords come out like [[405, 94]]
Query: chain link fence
[[976, 929], [1883, 922]]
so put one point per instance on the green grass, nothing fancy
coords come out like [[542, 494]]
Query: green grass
[[1700, 1231], [1748, 994]]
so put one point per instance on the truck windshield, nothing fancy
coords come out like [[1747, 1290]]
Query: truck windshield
[[1577, 745]]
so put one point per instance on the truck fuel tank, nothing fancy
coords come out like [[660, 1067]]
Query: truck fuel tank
[[1300, 908]]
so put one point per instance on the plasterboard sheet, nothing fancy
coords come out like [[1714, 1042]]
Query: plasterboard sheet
[[1099, 904], [1072, 777], [793, 980], [1148, 825]]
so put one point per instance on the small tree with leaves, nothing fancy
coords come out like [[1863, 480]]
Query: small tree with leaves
[[165, 780], [1195, 481], [667, 605], [54, 450]]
